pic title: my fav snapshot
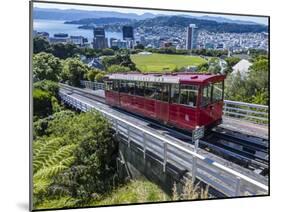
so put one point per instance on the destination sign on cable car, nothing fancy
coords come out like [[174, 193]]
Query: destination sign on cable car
[[198, 133]]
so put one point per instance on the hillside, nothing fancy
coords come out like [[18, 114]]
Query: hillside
[[209, 25]]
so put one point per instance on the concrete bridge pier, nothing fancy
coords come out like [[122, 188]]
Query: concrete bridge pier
[[133, 163]]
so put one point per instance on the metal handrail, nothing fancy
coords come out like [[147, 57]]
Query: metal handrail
[[83, 106], [248, 111]]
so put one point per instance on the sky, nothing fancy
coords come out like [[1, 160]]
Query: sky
[[260, 20]]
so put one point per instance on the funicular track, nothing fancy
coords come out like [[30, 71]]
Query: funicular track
[[247, 151]]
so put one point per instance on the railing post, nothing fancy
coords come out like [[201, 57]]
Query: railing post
[[116, 126], [238, 184], [144, 144], [165, 156], [194, 168], [194, 161], [129, 135]]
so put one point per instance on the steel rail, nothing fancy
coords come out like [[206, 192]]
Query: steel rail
[[242, 156], [85, 107]]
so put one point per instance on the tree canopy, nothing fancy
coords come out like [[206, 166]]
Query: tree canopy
[[74, 70], [46, 67]]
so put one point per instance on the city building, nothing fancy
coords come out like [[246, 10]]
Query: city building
[[78, 40], [59, 38], [191, 37], [121, 44], [111, 41], [128, 33], [99, 41]]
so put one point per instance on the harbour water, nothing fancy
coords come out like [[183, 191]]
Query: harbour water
[[58, 26]]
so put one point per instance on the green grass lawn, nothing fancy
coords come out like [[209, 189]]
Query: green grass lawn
[[164, 62]]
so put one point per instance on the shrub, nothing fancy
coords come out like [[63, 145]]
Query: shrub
[[99, 77], [92, 74], [42, 105]]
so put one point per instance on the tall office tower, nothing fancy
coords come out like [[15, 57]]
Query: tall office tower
[[191, 37], [128, 35], [99, 41]]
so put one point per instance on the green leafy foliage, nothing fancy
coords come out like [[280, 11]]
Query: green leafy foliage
[[74, 71], [94, 166], [107, 51], [46, 67], [50, 157], [117, 69], [41, 44], [135, 191], [100, 76], [119, 59], [91, 75], [47, 85], [253, 87], [64, 51], [42, 104], [203, 67], [73, 157]]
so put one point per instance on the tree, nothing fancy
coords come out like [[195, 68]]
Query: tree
[[204, 67], [89, 52], [258, 82], [46, 67], [99, 77], [108, 51], [74, 71], [94, 167], [42, 104], [139, 46], [47, 85], [64, 51], [231, 61], [41, 44], [117, 69], [92, 74], [252, 88], [119, 59]]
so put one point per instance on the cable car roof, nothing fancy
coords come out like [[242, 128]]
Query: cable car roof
[[168, 78]]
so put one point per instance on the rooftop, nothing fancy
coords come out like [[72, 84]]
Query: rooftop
[[168, 78]]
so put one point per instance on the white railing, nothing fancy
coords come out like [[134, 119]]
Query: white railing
[[252, 112], [242, 110], [220, 177], [92, 85]]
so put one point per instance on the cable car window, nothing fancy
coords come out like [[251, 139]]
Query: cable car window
[[157, 94], [206, 95], [217, 91], [188, 95], [153, 91], [123, 87], [108, 85], [149, 89], [140, 86], [115, 86], [165, 92], [175, 93], [131, 87]]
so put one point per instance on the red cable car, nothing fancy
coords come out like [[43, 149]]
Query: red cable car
[[183, 100]]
